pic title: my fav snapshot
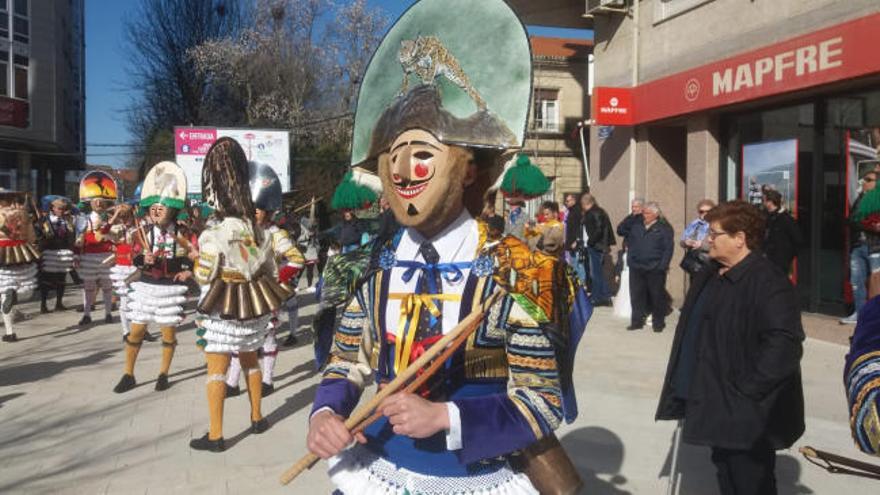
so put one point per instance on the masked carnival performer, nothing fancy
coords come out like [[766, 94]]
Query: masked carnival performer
[[237, 271], [124, 235], [97, 192], [18, 256], [159, 294], [441, 108], [57, 236], [266, 195]]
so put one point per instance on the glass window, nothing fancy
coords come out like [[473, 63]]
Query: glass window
[[665, 9], [4, 78], [21, 82], [546, 110], [21, 7], [4, 24], [21, 29]]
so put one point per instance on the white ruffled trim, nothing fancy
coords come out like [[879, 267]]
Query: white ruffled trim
[[357, 470], [233, 335], [20, 278], [142, 307], [58, 260]]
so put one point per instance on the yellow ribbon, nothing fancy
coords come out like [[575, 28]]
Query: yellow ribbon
[[410, 311]]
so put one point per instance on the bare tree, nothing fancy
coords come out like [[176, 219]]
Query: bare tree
[[297, 65], [168, 89]]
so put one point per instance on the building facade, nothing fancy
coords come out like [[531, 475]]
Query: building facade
[[560, 100], [42, 94], [719, 98]]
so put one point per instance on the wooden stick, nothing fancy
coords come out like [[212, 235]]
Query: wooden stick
[[109, 260], [426, 374], [363, 413], [310, 203]]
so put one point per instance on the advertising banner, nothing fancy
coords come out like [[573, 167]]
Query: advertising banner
[[269, 147], [771, 165]]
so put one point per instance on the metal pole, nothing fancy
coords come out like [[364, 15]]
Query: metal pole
[[581, 128], [672, 488]]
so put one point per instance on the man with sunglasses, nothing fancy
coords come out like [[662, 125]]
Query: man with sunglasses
[[864, 255]]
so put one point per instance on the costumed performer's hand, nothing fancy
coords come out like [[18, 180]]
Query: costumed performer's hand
[[328, 435], [414, 416], [183, 276], [286, 273]]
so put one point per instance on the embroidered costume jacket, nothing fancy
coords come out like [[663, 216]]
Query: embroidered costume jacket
[[862, 379], [504, 384], [171, 255]]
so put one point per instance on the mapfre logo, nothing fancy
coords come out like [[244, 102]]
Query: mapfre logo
[[613, 102], [692, 89]]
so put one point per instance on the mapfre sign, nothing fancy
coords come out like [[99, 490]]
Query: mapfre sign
[[844, 51], [613, 106]]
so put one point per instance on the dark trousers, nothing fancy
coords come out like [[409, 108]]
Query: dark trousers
[[647, 294], [600, 292], [745, 472]]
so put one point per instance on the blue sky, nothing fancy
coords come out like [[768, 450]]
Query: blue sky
[[107, 91]]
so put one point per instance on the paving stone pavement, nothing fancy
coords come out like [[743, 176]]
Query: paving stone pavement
[[63, 430]]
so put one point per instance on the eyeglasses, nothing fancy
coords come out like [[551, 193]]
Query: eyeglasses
[[868, 179], [702, 212], [713, 234]]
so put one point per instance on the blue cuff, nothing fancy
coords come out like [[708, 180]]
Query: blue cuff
[[491, 426], [338, 394]]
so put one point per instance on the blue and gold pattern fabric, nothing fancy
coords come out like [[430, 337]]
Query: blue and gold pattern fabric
[[505, 380], [862, 379]]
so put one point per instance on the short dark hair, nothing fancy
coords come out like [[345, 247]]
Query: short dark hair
[[496, 223], [774, 197], [739, 216], [550, 205]]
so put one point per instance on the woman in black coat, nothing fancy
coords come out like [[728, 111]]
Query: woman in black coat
[[734, 370]]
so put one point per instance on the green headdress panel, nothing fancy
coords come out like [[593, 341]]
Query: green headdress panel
[[460, 69], [165, 184]]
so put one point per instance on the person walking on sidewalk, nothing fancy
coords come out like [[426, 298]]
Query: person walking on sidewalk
[[733, 376], [864, 255], [599, 237], [650, 244]]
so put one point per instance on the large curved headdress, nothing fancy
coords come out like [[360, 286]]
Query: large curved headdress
[[164, 184], [460, 69], [265, 187], [97, 185], [225, 184]]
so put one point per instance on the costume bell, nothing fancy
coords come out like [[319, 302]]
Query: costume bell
[[18, 256], [164, 266], [237, 271], [443, 104], [266, 195], [124, 234], [57, 237], [97, 192]]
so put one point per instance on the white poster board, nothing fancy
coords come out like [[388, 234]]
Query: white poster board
[[269, 147]]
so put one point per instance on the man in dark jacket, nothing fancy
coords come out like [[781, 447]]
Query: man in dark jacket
[[599, 239], [350, 232], [635, 216], [734, 370], [574, 237], [649, 248], [782, 235]]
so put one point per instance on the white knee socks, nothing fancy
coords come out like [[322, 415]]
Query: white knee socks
[[233, 372]]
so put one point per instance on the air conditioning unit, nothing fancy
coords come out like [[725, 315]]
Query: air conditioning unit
[[606, 6]]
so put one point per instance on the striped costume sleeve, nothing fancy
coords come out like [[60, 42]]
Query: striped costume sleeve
[[499, 424], [349, 367], [862, 379], [283, 247]]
